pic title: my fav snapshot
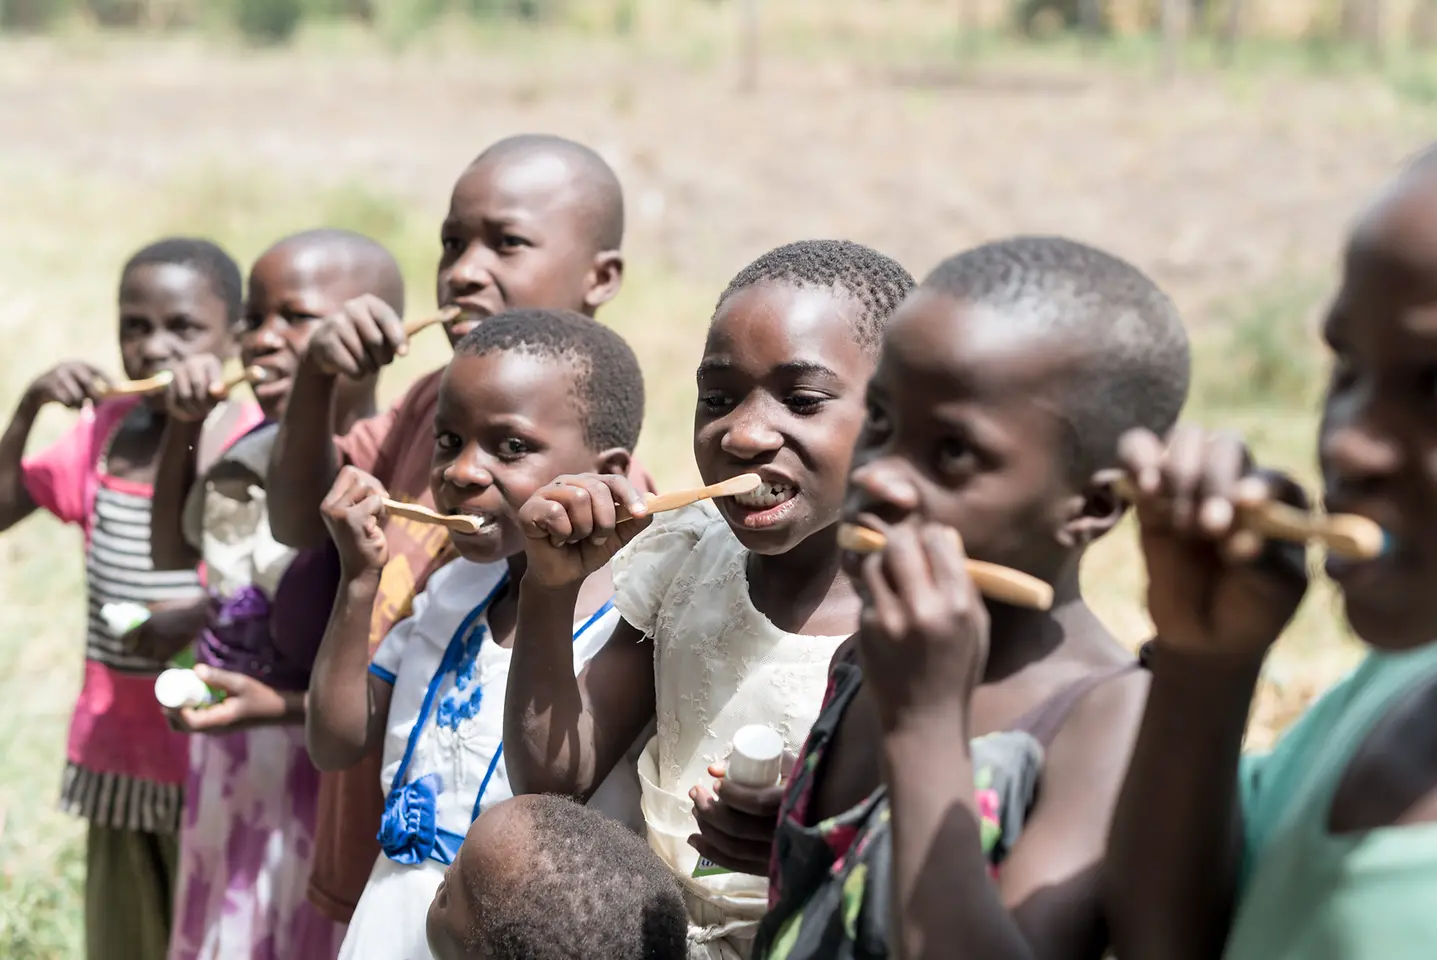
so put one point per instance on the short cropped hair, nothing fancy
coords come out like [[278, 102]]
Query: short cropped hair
[[608, 382], [369, 262], [207, 259], [603, 196], [591, 890], [877, 282], [1135, 363]]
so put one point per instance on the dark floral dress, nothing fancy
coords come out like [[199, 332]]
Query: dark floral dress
[[829, 882]]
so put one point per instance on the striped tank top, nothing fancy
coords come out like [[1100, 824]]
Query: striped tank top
[[125, 765]]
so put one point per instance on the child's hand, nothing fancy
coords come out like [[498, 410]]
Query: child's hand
[[1213, 588], [189, 397], [248, 703], [365, 335], [70, 384], [737, 823], [923, 632], [173, 625], [352, 512], [571, 527]]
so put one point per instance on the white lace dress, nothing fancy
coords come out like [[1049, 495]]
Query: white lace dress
[[719, 665]]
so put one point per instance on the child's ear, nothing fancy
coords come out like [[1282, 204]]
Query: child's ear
[[1094, 511], [613, 461], [605, 278]]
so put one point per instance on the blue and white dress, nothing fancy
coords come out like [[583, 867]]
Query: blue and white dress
[[443, 757]]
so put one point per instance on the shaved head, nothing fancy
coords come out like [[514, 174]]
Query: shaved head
[[350, 258], [597, 189]]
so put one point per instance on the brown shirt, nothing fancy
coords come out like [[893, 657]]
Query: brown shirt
[[396, 448]]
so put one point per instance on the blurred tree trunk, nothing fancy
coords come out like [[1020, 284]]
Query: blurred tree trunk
[[1175, 15], [1422, 28], [748, 42], [1230, 34]]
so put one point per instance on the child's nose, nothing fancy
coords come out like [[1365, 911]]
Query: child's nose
[[886, 486], [473, 269], [469, 470], [1356, 452], [750, 437]]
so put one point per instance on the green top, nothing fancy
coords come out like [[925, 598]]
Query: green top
[[1308, 895]]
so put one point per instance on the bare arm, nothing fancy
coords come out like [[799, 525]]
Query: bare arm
[[1047, 903], [304, 463], [564, 734], [1173, 858], [174, 477], [347, 704], [15, 501]]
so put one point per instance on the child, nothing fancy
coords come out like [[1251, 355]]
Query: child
[[535, 221], [248, 834], [1324, 847], [1003, 385], [529, 395], [125, 770], [543, 878], [731, 610]]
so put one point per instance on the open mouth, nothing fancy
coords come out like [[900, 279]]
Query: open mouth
[[764, 506]]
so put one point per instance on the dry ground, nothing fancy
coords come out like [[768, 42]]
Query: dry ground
[[1232, 191]]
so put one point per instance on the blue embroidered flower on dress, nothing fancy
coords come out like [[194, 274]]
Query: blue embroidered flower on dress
[[462, 703], [407, 833]]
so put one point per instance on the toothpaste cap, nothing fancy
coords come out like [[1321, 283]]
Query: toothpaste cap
[[757, 757], [176, 688]]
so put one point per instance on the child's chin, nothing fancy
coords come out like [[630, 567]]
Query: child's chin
[[480, 549]]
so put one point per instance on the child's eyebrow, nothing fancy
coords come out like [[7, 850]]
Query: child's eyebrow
[[805, 368]]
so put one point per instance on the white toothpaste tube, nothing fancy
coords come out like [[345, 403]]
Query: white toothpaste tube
[[179, 687]]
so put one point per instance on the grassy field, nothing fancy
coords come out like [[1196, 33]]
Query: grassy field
[[1232, 190]]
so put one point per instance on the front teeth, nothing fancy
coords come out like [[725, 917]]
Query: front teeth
[[767, 495]]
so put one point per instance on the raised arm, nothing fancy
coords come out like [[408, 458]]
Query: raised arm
[[1176, 843], [1219, 600], [562, 734], [348, 705], [188, 401], [356, 342], [304, 463], [70, 384]]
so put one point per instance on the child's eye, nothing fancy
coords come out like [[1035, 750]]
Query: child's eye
[[714, 403], [875, 424], [955, 456], [510, 241], [1344, 373], [804, 403], [253, 321], [451, 245], [512, 448], [296, 319], [448, 442]]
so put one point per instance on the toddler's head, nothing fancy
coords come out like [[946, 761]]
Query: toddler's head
[[542, 878]]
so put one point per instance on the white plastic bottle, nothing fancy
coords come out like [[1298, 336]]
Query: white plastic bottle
[[756, 761], [180, 687]]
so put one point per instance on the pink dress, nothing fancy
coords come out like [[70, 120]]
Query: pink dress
[[247, 841]]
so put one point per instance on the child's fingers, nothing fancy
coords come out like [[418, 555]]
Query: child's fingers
[[721, 819], [754, 801], [544, 518], [231, 683], [882, 611], [625, 494], [226, 713], [377, 349], [1140, 452], [604, 511], [345, 347], [946, 559], [390, 325], [1183, 475], [1225, 462], [906, 567]]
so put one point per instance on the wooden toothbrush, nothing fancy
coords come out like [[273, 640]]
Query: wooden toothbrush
[[459, 522], [1343, 534], [1000, 583], [161, 380]]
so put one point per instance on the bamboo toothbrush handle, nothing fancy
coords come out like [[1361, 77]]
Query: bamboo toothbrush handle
[[994, 581], [413, 511], [1343, 534], [136, 388], [412, 327], [248, 375], [662, 502]]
